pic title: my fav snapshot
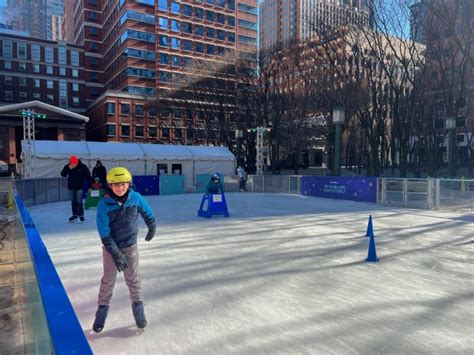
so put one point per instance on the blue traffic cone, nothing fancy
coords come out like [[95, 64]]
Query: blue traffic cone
[[372, 255], [370, 228]]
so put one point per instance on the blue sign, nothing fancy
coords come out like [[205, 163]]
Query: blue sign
[[343, 188], [147, 185]]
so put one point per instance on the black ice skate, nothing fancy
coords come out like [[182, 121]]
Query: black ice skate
[[73, 218], [81, 218], [100, 317], [139, 314]]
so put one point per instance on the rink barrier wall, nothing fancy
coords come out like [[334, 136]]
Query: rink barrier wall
[[67, 336], [405, 192]]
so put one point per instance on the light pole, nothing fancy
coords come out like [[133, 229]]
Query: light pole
[[450, 122], [338, 116], [239, 133]]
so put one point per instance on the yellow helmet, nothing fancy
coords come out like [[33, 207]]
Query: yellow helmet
[[118, 174]]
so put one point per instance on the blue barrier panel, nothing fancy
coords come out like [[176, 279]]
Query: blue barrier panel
[[66, 332], [343, 188], [216, 204], [147, 185], [172, 184]]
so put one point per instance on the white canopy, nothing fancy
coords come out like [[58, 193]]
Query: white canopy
[[140, 159]]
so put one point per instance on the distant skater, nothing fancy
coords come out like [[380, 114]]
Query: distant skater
[[215, 185], [77, 176], [242, 178]]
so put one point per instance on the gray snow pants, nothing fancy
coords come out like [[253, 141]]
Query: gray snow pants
[[110, 274]]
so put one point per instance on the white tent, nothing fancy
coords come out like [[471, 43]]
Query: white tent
[[141, 159]]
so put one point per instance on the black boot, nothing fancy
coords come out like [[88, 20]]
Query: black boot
[[73, 218], [139, 314], [100, 317]]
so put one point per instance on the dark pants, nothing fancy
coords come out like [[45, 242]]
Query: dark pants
[[242, 184], [76, 202]]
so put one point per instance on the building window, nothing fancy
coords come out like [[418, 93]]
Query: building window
[[125, 109], [110, 130], [21, 66], [74, 58], [139, 131], [36, 52], [164, 59], [8, 80], [36, 68], [164, 41], [75, 73], [125, 130], [163, 5], [187, 10], [49, 69], [75, 87], [36, 83], [187, 45], [139, 110], [62, 93], [175, 61], [22, 81], [23, 96], [50, 99], [75, 101], [49, 54], [175, 25], [7, 49], [174, 8], [175, 43], [110, 108], [178, 133], [210, 16], [152, 112], [49, 84], [62, 71], [163, 23], [62, 55], [153, 132], [164, 76], [37, 96], [8, 95], [198, 13], [165, 132], [21, 50], [7, 65]]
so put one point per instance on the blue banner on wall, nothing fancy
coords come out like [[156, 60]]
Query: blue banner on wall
[[343, 188], [147, 185]]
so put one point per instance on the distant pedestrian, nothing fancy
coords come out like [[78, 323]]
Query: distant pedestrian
[[215, 185], [242, 178], [117, 217], [77, 175], [100, 172]]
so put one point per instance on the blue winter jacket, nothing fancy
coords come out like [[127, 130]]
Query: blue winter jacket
[[117, 225]]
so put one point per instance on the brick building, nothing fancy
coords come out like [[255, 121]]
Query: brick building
[[140, 51]]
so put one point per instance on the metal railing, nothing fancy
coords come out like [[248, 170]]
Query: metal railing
[[290, 184], [427, 193]]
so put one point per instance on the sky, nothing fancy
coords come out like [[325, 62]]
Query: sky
[[282, 274]]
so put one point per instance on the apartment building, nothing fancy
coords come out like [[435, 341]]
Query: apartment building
[[143, 50], [287, 20]]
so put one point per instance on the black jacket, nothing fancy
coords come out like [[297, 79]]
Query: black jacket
[[77, 177], [101, 173]]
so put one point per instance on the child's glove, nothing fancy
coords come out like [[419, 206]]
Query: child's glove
[[150, 234], [120, 261]]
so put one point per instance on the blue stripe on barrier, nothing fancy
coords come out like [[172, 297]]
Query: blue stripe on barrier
[[65, 330]]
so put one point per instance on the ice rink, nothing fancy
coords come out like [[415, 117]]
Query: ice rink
[[283, 274]]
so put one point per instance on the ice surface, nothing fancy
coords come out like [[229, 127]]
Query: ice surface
[[282, 274]]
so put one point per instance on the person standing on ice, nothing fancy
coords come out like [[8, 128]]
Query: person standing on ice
[[242, 178], [117, 215], [100, 172], [77, 175], [215, 185]]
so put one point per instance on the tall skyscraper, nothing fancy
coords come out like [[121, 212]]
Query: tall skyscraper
[[285, 20], [143, 49], [55, 14], [40, 19]]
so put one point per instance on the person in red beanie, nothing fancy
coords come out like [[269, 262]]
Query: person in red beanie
[[77, 176]]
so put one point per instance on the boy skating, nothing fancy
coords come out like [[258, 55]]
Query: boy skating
[[117, 215]]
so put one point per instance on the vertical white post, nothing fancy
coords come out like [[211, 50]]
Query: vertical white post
[[29, 143], [437, 193], [405, 192], [259, 160]]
